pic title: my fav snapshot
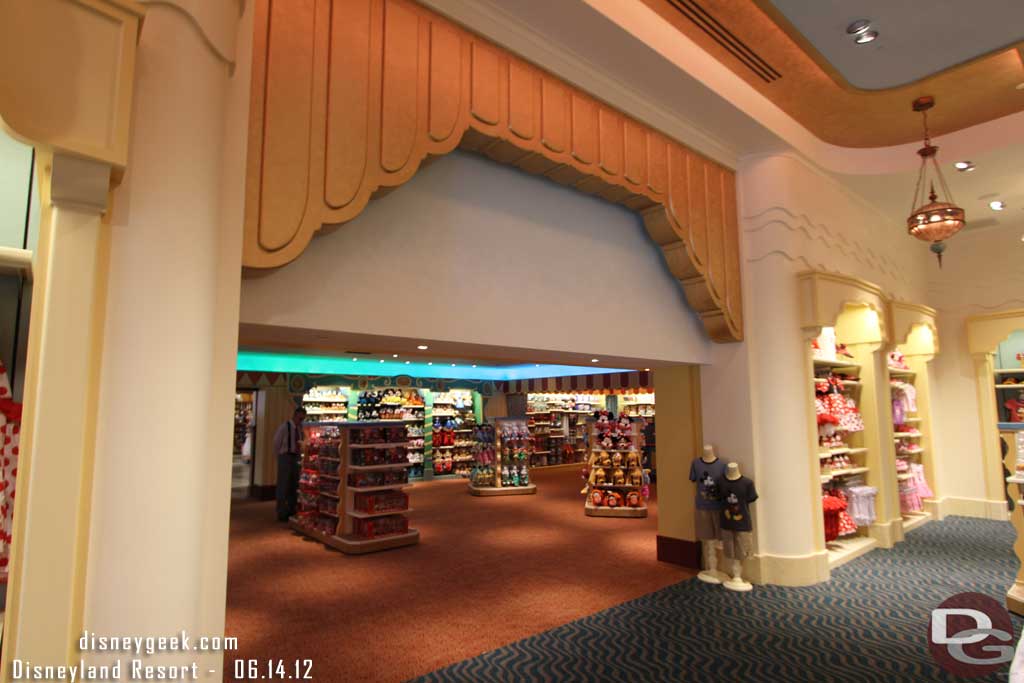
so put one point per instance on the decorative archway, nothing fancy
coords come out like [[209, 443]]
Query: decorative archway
[[351, 97]]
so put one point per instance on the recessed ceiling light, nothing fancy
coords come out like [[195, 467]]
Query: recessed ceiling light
[[354, 359], [866, 37], [453, 365], [422, 347], [964, 166], [474, 365], [594, 360], [858, 27], [430, 363], [394, 355], [406, 362], [647, 369], [381, 360], [997, 205]]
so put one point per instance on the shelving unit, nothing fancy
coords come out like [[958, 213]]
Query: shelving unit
[[397, 406], [844, 456], [453, 418], [908, 446], [509, 475], [616, 482], [557, 423], [352, 487]]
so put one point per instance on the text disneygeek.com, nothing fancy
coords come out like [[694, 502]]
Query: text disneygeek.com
[[133, 666]]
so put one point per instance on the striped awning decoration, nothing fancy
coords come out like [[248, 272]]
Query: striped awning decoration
[[610, 383]]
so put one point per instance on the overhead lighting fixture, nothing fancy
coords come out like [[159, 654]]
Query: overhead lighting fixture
[[964, 166], [422, 347], [354, 360], [997, 205], [381, 360], [858, 27], [861, 31], [647, 369], [453, 365], [593, 360], [935, 221], [406, 362], [394, 355], [430, 363], [474, 365]]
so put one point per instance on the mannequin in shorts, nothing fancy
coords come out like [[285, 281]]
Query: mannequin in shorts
[[706, 471]]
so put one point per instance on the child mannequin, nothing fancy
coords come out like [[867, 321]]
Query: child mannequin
[[738, 493]]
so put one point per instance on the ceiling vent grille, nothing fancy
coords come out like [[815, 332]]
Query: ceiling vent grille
[[724, 37]]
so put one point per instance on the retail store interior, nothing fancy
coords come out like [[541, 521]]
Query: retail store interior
[[510, 488]]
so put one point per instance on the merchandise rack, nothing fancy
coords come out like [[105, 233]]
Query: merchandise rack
[[339, 522], [614, 462], [910, 441], [326, 404], [510, 452], [557, 422], [847, 547]]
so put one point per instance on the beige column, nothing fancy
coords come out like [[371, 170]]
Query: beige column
[[161, 494], [679, 440], [61, 387], [991, 452]]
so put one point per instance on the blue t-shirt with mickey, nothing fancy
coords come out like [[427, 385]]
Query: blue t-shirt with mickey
[[707, 475]]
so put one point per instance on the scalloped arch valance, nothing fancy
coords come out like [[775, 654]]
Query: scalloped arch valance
[[351, 97]]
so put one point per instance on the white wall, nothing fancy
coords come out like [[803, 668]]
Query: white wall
[[474, 251], [981, 274], [794, 218]]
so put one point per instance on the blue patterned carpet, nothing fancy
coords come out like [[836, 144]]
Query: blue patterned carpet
[[869, 623]]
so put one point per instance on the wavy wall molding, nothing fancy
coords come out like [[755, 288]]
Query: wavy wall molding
[[351, 97]]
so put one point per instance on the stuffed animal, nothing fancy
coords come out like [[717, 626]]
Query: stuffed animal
[[617, 460], [623, 444], [598, 476], [636, 477], [606, 460], [633, 499], [597, 498], [613, 499], [632, 459], [624, 425], [606, 443], [618, 476]]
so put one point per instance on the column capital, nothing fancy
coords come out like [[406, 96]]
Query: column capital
[[79, 183]]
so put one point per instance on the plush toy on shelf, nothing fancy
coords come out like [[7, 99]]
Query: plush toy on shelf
[[618, 477], [617, 460], [613, 499], [598, 476]]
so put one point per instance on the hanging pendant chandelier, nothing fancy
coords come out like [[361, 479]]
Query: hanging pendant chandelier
[[937, 220]]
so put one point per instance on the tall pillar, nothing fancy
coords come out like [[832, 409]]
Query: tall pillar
[[58, 425], [161, 494], [679, 438]]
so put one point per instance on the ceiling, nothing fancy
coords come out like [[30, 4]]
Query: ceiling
[[997, 176], [758, 43], [916, 39], [371, 349]]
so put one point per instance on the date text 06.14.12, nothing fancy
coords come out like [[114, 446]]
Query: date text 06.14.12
[[273, 670]]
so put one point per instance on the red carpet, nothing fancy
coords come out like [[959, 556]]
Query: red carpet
[[487, 571]]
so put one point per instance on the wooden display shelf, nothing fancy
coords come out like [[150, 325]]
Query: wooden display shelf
[[382, 487], [912, 520], [633, 513], [906, 435], [1010, 386], [901, 371], [835, 363], [353, 545], [394, 444], [836, 474], [378, 468], [367, 515], [561, 465], [485, 491], [1009, 371], [842, 550]]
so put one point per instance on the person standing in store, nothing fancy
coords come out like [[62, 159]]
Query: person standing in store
[[288, 446]]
